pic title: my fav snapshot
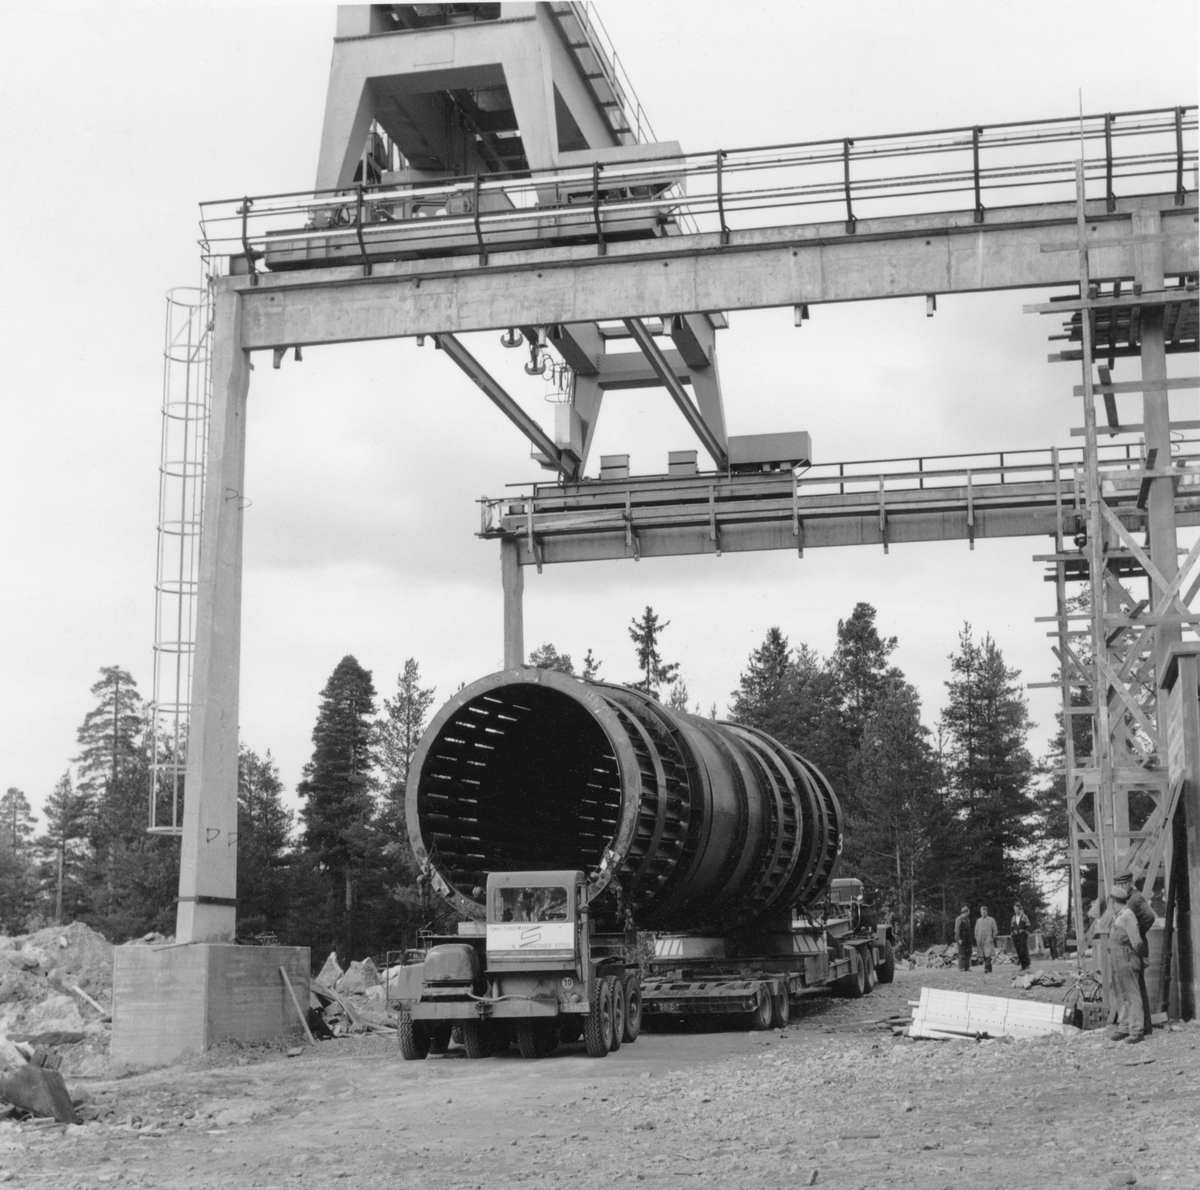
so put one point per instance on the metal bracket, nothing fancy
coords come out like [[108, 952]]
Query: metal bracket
[[721, 196], [601, 247], [975, 132], [358, 225], [970, 511], [251, 255], [1110, 199], [483, 254], [851, 222], [883, 525]]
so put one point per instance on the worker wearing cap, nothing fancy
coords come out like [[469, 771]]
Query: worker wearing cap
[[1019, 931], [1140, 908], [1125, 965], [986, 933], [964, 938]]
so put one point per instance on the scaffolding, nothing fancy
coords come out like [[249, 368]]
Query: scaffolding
[[185, 410], [1111, 645]]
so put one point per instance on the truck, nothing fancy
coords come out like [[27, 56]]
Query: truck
[[569, 821]]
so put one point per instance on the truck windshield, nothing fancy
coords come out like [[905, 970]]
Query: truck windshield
[[529, 904]]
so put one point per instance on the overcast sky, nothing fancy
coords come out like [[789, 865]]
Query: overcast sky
[[365, 461]]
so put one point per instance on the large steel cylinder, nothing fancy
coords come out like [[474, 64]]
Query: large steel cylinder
[[689, 823]]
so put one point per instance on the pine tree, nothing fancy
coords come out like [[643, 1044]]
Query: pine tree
[[859, 667], [63, 848], [899, 807], [767, 689], [677, 696], [338, 785], [16, 820], [397, 735], [264, 832], [130, 876], [591, 667], [989, 773], [548, 657], [655, 672], [17, 885]]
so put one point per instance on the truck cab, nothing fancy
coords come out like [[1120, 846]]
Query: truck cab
[[536, 974]]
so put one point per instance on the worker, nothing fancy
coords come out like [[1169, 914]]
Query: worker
[[962, 935], [1140, 909], [986, 933], [1125, 964], [1019, 930]]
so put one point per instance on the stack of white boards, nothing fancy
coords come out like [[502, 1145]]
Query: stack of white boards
[[966, 1015]]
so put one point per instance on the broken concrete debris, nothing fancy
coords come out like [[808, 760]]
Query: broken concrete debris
[[39, 1091]]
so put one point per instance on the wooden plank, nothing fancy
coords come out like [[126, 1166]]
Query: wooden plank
[[1140, 386], [299, 1011]]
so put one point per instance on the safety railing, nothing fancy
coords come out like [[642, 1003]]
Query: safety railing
[[1011, 475], [723, 192]]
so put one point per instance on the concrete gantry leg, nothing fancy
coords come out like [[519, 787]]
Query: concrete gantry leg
[[208, 860], [512, 579]]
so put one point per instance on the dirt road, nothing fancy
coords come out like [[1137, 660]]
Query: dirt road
[[862, 1109]]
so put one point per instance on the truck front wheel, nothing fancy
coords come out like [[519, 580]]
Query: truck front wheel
[[414, 1038], [633, 1008], [533, 1039], [597, 1028], [476, 1039]]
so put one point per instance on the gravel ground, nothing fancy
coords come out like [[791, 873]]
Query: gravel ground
[[861, 1108]]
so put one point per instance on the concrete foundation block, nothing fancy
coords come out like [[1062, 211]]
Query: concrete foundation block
[[173, 1000]]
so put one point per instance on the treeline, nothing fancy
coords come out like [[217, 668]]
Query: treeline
[[931, 820]]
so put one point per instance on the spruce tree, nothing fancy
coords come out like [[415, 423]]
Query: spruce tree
[[656, 673], [591, 667], [63, 849], [264, 832], [397, 735], [767, 691], [859, 667], [548, 657], [338, 786], [898, 805], [677, 696], [18, 888], [989, 774]]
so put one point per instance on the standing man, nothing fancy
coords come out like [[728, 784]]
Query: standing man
[[1125, 965], [962, 935], [986, 933], [1019, 930], [1140, 908]]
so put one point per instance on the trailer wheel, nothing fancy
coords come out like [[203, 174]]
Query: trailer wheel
[[414, 1038], [617, 988], [764, 1010], [887, 969], [597, 1027], [855, 984], [439, 1038], [530, 1040], [570, 1030], [633, 1008], [781, 1008], [868, 968], [476, 1039]]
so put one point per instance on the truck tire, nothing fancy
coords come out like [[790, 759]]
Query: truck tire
[[616, 985], [597, 1026], [414, 1038], [439, 1038], [633, 1008], [887, 969], [531, 1040], [781, 1008], [854, 985], [477, 1039], [571, 1029], [868, 968], [763, 1012]]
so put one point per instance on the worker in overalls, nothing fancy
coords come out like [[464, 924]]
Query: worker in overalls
[[1019, 932], [1140, 908], [964, 938], [1125, 965]]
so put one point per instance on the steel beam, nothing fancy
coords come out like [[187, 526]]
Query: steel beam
[[500, 398], [664, 371], [902, 256]]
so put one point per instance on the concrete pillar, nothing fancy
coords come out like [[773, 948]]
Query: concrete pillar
[[512, 578], [208, 860]]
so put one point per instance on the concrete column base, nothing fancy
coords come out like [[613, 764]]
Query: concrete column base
[[172, 1000]]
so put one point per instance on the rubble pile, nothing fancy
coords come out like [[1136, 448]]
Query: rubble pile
[[55, 992], [1045, 979], [350, 1001]]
